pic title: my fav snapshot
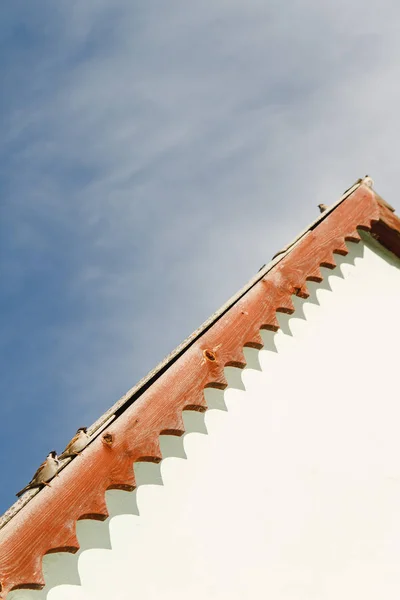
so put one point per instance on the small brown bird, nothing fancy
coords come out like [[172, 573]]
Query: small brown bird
[[77, 444], [368, 181], [322, 207], [45, 472]]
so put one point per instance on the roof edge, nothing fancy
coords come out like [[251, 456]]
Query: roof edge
[[140, 387], [48, 519]]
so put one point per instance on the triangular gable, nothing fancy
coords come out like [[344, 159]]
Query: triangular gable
[[45, 522]]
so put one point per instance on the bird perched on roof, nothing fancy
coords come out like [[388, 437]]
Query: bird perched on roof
[[368, 181], [45, 472], [323, 207], [77, 444]]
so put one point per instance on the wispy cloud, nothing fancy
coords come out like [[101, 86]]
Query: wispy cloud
[[153, 156]]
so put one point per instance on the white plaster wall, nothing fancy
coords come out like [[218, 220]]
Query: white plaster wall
[[294, 493]]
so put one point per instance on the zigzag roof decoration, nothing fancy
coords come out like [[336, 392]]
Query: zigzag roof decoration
[[44, 521]]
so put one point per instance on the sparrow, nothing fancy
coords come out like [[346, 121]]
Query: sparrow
[[368, 181], [322, 207], [77, 444], [45, 472]]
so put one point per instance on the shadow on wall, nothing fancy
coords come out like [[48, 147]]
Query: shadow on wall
[[63, 568]]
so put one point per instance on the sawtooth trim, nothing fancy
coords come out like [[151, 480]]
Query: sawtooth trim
[[47, 523]]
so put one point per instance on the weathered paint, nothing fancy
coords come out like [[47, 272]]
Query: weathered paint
[[47, 523]]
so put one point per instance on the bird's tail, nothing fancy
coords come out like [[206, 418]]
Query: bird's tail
[[25, 489], [30, 486]]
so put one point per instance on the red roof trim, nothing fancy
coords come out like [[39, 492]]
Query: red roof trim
[[48, 522]]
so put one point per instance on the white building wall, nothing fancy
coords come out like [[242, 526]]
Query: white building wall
[[291, 493]]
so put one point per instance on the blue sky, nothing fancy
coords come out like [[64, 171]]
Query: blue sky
[[153, 156]]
